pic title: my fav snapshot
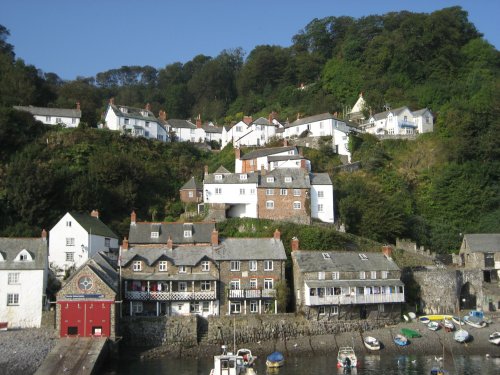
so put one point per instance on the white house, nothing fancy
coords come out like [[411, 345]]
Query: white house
[[77, 237], [356, 113], [322, 197], [400, 121], [186, 131], [134, 121], [251, 133], [69, 118], [269, 159], [23, 280]]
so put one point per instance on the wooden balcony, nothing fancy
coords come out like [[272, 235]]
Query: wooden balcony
[[251, 293]]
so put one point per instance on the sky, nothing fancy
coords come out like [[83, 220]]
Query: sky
[[82, 38]]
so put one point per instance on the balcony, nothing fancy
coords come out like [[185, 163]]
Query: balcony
[[251, 293], [354, 299], [170, 296]]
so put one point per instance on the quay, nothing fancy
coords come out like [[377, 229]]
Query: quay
[[75, 355]]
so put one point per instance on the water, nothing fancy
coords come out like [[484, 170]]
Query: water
[[390, 364]]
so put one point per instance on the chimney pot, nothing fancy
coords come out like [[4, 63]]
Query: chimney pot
[[214, 238], [78, 106], [125, 244], [198, 121], [133, 217], [237, 153], [170, 243], [95, 213], [44, 235], [206, 170], [387, 251], [148, 107], [112, 101], [295, 244], [277, 234]]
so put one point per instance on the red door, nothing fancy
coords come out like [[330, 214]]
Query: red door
[[85, 318]]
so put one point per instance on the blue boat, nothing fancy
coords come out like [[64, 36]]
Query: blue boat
[[400, 340], [275, 359]]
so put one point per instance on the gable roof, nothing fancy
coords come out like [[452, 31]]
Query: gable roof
[[300, 179], [140, 233], [93, 225], [266, 152], [251, 249], [222, 170], [232, 178], [314, 118], [192, 184], [11, 247], [179, 123], [483, 242], [359, 106], [320, 179], [346, 261], [133, 112], [55, 112], [396, 112], [420, 112], [263, 121]]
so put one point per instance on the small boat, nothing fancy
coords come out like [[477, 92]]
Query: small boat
[[433, 326], [495, 338], [438, 371], [424, 319], [412, 315], [275, 359], [448, 325], [371, 343], [406, 318], [410, 333], [230, 364], [246, 354], [346, 357], [436, 317], [475, 321], [461, 335], [457, 320], [400, 340]]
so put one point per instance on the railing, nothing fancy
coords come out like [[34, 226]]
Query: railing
[[251, 293], [354, 299], [170, 296]]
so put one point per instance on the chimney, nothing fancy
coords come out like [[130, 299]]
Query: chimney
[[112, 101], [387, 251], [247, 119], [206, 170], [214, 238], [148, 107], [133, 218], [198, 121], [262, 170], [295, 244], [270, 118], [285, 143], [277, 234], [170, 243], [44, 235], [95, 214], [78, 106], [237, 153], [303, 164], [162, 115], [125, 244]]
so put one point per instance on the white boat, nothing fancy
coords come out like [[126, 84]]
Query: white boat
[[461, 335], [246, 354], [230, 364], [495, 338], [346, 357], [458, 320], [475, 322], [412, 315], [433, 326], [371, 343]]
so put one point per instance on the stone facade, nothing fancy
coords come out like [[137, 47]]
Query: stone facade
[[287, 204], [191, 195]]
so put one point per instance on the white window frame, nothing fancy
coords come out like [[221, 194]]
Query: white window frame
[[334, 310], [68, 223], [218, 191], [13, 278], [218, 177], [163, 266], [321, 194], [243, 176], [137, 307], [235, 307], [321, 275], [321, 310], [254, 307], [288, 179], [235, 284], [270, 205], [283, 191], [269, 179], [235, 265], [188, 233], [253, 284], [70, 241], [242, 191], [252, 265], [205, 266], [268, 265], [373, 275], [362, 275], [297, 205], [182, 286], [70, 256], [269, 191], [137, 266], [182, 269], [385, 274], [252, 191], [12, 299], [155, 234], [320, 207], [335, 275], [205, 285], [296, 193], [268, 284]]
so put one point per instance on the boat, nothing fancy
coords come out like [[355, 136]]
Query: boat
[[410, 333], [433, 326], [437, 370], [448, 325], [230, 364], [475, 322], [346, 357], [457, 320], [275, 359], [248, 358], [424, 319], [461, 335], [437, 317], [406, 318], [371, 343], [495, 338], [400, 340], [412, 315]]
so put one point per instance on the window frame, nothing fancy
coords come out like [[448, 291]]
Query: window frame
[[205, 266], [268, 265], [162, 266], [137, 266], [13, 278], [251, 264], [235, 266], [12, 299]]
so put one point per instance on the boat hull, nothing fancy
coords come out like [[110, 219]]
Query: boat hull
[[371, 343], [495, 338], [275, 360], [344, 353], [474, 323], [400, 340], [461, 336]]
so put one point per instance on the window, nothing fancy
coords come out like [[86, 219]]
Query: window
[[242, 191], [218, 177], [70, 257], [205, 306], [270, 179], [162, 266], [12, 299], [218, 191], [283, 191], [182, 269], [243, 176], [205, 285], [252, 191], [68, 223], [137, 307], [297, 205], [270, 205], [182, 286], [235, 265], [48, 119], [269, 191], [427, 119], [155, 234], [268, 283], [23, 257], [137, 266], [334, 310], [188, 233], [362, 275], [267, 306], [146, 134], [296, 192], [235, 307], [321, 310], [321, 194], [238, 129], [321, 275], [194, 307], [384, 274], [13, 278], [70, 241], [320, 208], [205, 266], [253, 283], [373, 275], [252, 265], [254, 307], [326, 256], [268, 265], [147, 124], [235, 285], [107, 242], [335, 275], [363, 257], [126, 121], [321, 125], [288, 179]]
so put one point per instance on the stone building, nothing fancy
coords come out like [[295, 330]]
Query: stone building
[[346, 285], [191, 191], [87, 302]]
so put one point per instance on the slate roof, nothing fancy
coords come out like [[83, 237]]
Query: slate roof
[[133, 112], [232, 178], [300, 179], [180, 255], [55, 112], [263, 121], [396, 112], [212, 129], [178, 123], [93, 225], [266, 152], [250, 249], [483, 242], [320, 179], [285, 157], [309, 119], [192, 184], [221, 169], [347, 261], [420, 112], [140, 233], [11, 247]]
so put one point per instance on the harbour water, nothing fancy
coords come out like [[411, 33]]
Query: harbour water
[[383, 363]]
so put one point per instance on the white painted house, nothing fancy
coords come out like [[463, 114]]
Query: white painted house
[[400, 121], [270, 158], [251, 133], [186, 131], [69, 118], [23, 280], [134, 121], [77, 237]]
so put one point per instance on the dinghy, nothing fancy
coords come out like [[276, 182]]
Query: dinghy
[[371, 343], [461, 336]]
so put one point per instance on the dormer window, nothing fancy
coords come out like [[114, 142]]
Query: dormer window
[[155, 234], [326, 256], [363, 257], [188, 233], [243, 176], [288, 179], [218, 177], [145, 113], [124, 110], [270, 179], [24, 256]]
